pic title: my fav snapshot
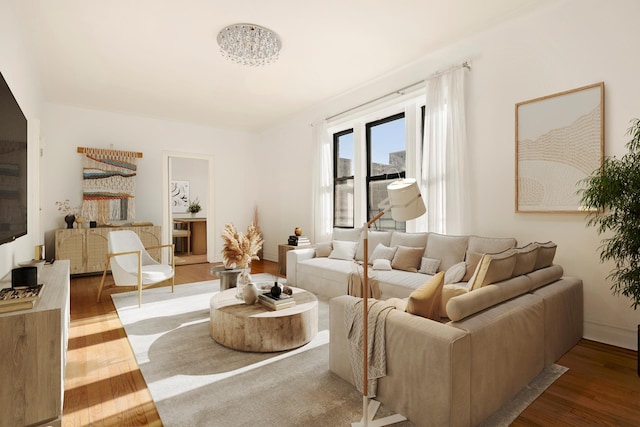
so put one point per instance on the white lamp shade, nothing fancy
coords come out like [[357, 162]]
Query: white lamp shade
[[405, 200]]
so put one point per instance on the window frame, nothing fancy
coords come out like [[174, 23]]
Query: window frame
[[337, 180]]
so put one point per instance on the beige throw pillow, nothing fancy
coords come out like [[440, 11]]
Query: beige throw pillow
[[323, 249], [382, 252], [473, 258], [425, 301], [382, 264], [455, 273], [429, 266], [343, 250], [407, 259], [493, 268]]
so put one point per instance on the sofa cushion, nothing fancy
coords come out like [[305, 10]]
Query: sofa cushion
[[425, 301], [343, 250], [346, 234], [374, 239], [323, 249], [449, 250], [455, 273], [544, 276], [382, 264], [546, 253], [493, 268], [382, 252], [412, 240], [471, 262], [469, 303], [448, 292], [525, 259], [490, 245], [407, 259], [429, 266]]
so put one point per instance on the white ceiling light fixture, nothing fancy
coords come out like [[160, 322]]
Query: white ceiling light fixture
[[249, 44]]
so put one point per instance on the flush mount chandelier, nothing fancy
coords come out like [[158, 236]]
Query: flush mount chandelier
[[249, 44]]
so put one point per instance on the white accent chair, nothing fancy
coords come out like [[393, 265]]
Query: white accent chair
[[131, 264]]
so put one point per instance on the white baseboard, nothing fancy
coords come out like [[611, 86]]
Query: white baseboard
[[612, 335]]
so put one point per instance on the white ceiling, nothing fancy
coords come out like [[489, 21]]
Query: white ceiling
[[159, 58]]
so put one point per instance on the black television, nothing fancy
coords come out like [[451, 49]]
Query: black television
[[13, 166]]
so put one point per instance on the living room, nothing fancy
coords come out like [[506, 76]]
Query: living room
[[557, 46]]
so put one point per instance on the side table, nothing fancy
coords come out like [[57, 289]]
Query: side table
[[282, 258], [228, 278]]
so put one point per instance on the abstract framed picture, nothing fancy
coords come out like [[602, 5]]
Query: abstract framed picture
[[179, 196], [559, 142]]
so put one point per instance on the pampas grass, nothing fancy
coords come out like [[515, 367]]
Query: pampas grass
[[239, 248]]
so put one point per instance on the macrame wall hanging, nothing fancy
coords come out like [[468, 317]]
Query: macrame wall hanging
[[108, 185]]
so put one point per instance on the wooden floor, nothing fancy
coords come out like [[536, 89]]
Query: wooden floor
[[104, 386]]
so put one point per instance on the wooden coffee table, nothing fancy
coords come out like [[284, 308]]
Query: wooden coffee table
[[239, 326]]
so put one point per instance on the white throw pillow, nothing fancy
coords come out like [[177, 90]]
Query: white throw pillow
[[382, 252], [455, 273], [382, 264], [343, 250], [429, 266]]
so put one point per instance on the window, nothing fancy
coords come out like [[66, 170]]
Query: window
[[343, 179], [386, 162]]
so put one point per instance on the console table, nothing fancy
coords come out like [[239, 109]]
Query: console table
[[86, 248], [33, 349]]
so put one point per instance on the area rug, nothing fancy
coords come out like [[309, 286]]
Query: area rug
[[196, 382]]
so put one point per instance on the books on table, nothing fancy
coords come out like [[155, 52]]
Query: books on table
[[299, 241], [13, 299], [279, 303]]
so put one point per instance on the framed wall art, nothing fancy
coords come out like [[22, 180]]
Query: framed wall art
[[559, 142], [179, 196]]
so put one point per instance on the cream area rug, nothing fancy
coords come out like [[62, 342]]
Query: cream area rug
[[195, 381]]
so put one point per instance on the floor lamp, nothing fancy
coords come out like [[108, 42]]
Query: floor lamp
[[405, 203]]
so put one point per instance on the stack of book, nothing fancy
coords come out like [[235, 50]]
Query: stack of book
[[299, 241], [279, 303], [14, 299]]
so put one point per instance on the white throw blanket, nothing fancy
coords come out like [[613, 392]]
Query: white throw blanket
[[376, 354]]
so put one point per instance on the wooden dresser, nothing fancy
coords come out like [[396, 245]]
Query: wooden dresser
[[33, 350], [86, 248]]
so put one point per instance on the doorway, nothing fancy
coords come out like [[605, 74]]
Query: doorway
[[187, 178]]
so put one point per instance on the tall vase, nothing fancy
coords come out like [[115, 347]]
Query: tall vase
[[243, 279]]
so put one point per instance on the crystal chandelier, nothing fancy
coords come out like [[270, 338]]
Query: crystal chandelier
[[249, 44]]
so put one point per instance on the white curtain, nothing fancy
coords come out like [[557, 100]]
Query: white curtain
[[323, 183], [443, 154]]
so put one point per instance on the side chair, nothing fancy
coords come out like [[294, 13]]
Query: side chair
[[131, 264]]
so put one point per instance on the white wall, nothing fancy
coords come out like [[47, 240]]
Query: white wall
[[64, 128], [567, 45], [18, 70]]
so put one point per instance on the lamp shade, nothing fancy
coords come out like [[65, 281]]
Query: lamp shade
[[405, 200]]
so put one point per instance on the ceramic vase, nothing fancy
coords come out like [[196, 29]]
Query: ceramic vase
[[250, 293], [70, 219], [244, 278]]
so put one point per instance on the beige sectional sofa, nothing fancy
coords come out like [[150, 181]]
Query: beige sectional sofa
[[491, 341]]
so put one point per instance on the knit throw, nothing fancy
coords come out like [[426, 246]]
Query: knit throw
[[109, 185]]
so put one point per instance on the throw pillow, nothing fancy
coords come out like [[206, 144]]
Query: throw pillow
[[343, 250], [382, 252], [546, 253], [429, 266], [425, 301], [382, 264], [407, 259], [323, 249], [374, 237], [473, 258], [493, 268], [525, 259], [455, 273]]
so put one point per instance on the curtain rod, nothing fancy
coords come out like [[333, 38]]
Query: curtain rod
[[130, 153], [400, 91]]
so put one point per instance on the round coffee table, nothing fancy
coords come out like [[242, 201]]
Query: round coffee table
[[239, 326]]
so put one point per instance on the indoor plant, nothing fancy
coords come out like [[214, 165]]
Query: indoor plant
[[240, 249], [194, 206], [612, 194]]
